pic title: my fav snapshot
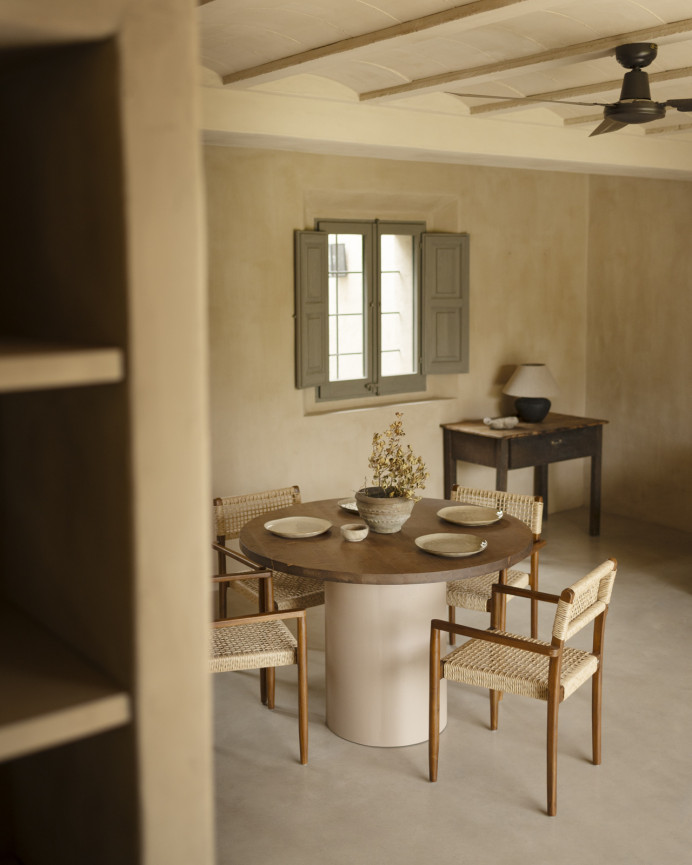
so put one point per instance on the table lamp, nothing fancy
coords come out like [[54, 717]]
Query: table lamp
[[532, 384]]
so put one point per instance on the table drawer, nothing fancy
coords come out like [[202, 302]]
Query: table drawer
[[553, 447]]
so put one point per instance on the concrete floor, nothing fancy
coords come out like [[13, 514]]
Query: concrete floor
[[371, 806]]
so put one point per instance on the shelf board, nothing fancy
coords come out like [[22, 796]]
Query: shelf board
[[50, 694], [37, 366]]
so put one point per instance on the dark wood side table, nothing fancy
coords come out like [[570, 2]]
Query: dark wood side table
[[559, 437]]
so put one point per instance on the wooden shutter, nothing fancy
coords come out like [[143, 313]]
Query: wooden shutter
[[311, 315], [445, 292]]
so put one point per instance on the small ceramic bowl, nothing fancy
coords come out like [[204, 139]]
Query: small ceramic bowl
[[354, 531]]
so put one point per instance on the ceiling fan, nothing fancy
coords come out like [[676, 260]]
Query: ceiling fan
[[635, 104]]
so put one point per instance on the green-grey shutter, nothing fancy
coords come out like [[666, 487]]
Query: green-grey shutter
[[312, 308], [445, 292]]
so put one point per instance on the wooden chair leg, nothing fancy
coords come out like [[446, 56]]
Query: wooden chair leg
[[552, 757], [223, 587], [452, 617], [494, 705], [596, 691], [222, 605], [270, 673], [434, 723], [498, 619], [596, 687], [303, 690], [266, 603], [553, 706], [533, 584]]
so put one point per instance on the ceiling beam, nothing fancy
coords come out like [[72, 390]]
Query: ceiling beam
[[405, 28], [601, 87], [675, 127], [595, 48], [583, 118]]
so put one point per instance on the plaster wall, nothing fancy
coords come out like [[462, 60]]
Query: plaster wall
[[639, 362], [528, 234]]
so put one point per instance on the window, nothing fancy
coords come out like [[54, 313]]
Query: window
[[378, 305]]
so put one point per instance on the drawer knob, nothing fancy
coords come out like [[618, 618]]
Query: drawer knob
[[556, 442]]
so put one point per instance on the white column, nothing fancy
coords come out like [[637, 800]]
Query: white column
[[377, 659]]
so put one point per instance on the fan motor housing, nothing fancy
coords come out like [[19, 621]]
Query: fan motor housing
[[635, 111], [636, 55]]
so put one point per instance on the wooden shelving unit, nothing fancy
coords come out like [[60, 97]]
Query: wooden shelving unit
[[50, 695], [105, 724], [28, 366]]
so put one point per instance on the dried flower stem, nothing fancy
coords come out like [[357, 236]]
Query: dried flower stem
[[395, 468]]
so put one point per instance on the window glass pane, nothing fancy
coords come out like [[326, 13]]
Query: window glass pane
[[399, 306], [350, 367], [346, 307], [350, 294], [350, 334]]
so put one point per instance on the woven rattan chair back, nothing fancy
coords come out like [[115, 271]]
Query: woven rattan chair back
[[528, 509], [590, 598], [231, 513], [475, 594]]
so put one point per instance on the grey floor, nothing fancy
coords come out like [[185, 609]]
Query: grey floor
[[353, 804]]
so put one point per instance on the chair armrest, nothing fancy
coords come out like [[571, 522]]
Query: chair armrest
[[499, 637], [499, 588], [244, 575], [239, 557], [259, 617]]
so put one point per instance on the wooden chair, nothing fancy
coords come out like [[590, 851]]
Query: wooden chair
[[262, 641], [551, 671], [231, 513], [475, 594]]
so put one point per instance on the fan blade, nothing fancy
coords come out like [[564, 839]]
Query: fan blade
[[680, 104], [527, 99], [607, 125]]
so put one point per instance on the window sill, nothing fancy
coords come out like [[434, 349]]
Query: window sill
[[439, 387]]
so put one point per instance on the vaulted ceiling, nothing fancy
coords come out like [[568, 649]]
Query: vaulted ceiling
[[424, 58]]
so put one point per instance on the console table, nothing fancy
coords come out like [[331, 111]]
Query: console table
[[558, 437]]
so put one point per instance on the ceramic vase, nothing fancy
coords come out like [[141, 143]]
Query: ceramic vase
[[383, 514]]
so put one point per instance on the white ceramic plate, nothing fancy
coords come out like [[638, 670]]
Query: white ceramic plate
[[451, 545], [470, 515], [349, 505], [298, 527]]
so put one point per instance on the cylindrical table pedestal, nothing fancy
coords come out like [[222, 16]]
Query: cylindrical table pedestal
[[377, 656]]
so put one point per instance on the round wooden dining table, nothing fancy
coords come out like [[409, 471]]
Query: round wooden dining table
[[380, 596]]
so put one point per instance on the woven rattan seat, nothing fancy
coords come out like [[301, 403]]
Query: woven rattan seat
[[262, 641], [289, 590], [506, 668], [549, 671], [252, 646], [475, 593], [231, 513]]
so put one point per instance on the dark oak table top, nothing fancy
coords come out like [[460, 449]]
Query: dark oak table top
[[553, 423], [382, 559]]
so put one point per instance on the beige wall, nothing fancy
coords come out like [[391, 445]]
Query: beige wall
[[640, 357], [529, 275]]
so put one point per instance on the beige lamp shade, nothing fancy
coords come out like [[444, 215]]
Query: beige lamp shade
[[531, 379], [532, 384]]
